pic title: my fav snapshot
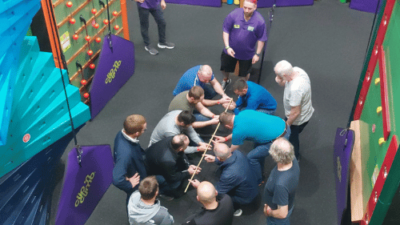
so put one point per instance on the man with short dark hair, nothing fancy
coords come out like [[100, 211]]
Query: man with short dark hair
[[128, 155], [166, 159], [144, 208], [191, 100], [280, 189], [243, 29], [258, 127], [238, 179], [217, 208], [201, 75], [178, 122], [252, 96]]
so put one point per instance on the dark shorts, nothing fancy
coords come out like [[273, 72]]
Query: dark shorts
[[228, 64]]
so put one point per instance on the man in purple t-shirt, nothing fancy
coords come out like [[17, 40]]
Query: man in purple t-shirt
[[243, 28], [155, 7]]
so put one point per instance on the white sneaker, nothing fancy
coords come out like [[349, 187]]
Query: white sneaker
[[225, 83], [238, 212]]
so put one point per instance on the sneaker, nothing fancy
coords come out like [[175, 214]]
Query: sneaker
[[238, 212], [166, 197], [151, 50], [167, 45], [225, 83]]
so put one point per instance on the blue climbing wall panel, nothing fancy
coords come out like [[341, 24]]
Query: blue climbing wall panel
[[25, 192], [15, 18], [39, 114]]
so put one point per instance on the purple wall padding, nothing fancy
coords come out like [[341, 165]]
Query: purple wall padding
[[364, 5], [212, 3], [116, 65], [283, 3], [84, 186], [344, 141]]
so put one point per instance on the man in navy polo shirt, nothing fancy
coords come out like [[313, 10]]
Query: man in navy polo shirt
[[201, 75], [252, 96], [254, 126], [155, 7], [243, 28]]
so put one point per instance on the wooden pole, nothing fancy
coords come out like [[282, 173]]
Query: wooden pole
[[208, 145]]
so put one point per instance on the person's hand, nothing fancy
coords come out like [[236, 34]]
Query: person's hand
[[134, 179], [209, 158], [232, 106], [195, 183], [219, 139], [214, 120], [267, 210], [203, 147], [255, 59], [231, 52], [225, 99], [280, 81], [163, 5], [140, 1], [192, 170]]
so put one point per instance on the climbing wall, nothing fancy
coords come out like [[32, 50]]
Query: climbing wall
[[78, 28], [12, 32], [377, 108], [39, 115]]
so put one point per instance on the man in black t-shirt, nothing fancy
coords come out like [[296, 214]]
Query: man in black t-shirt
[[217, 209], [282, 183]]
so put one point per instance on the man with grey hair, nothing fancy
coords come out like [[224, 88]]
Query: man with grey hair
[[238, 179], [296, 99], [282, 183]]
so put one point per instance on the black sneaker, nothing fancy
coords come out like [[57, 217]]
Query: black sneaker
[[151, 50], [166, 197], [167, 45], [225, 83]]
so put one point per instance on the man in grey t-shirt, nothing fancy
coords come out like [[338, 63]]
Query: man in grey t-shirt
[[178, 122], [296, 99]]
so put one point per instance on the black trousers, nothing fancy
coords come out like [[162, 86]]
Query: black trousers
[[294, 137]]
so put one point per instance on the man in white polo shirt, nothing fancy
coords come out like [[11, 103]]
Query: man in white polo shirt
[[296, 99]]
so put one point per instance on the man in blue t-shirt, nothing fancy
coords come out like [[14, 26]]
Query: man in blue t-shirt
[[201, 75], [254, 126], [282, 183], [252, 96]]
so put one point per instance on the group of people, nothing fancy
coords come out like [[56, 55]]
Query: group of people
[[163, 168]]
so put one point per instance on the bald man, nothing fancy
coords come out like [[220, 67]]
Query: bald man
[[217, 209], [201, 75], [238, 178]]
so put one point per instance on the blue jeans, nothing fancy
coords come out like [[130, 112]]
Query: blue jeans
[[266, 111], [144, 23], [200, 117], [258, 154], [275, 221], [166, 188], [209, 92]]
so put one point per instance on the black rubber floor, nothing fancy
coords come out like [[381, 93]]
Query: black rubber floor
[[328, 40]]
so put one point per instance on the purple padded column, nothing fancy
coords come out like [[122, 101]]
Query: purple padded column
[[364, 5], [84, 186], [343, 147], [212, 3], [114, 68]]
